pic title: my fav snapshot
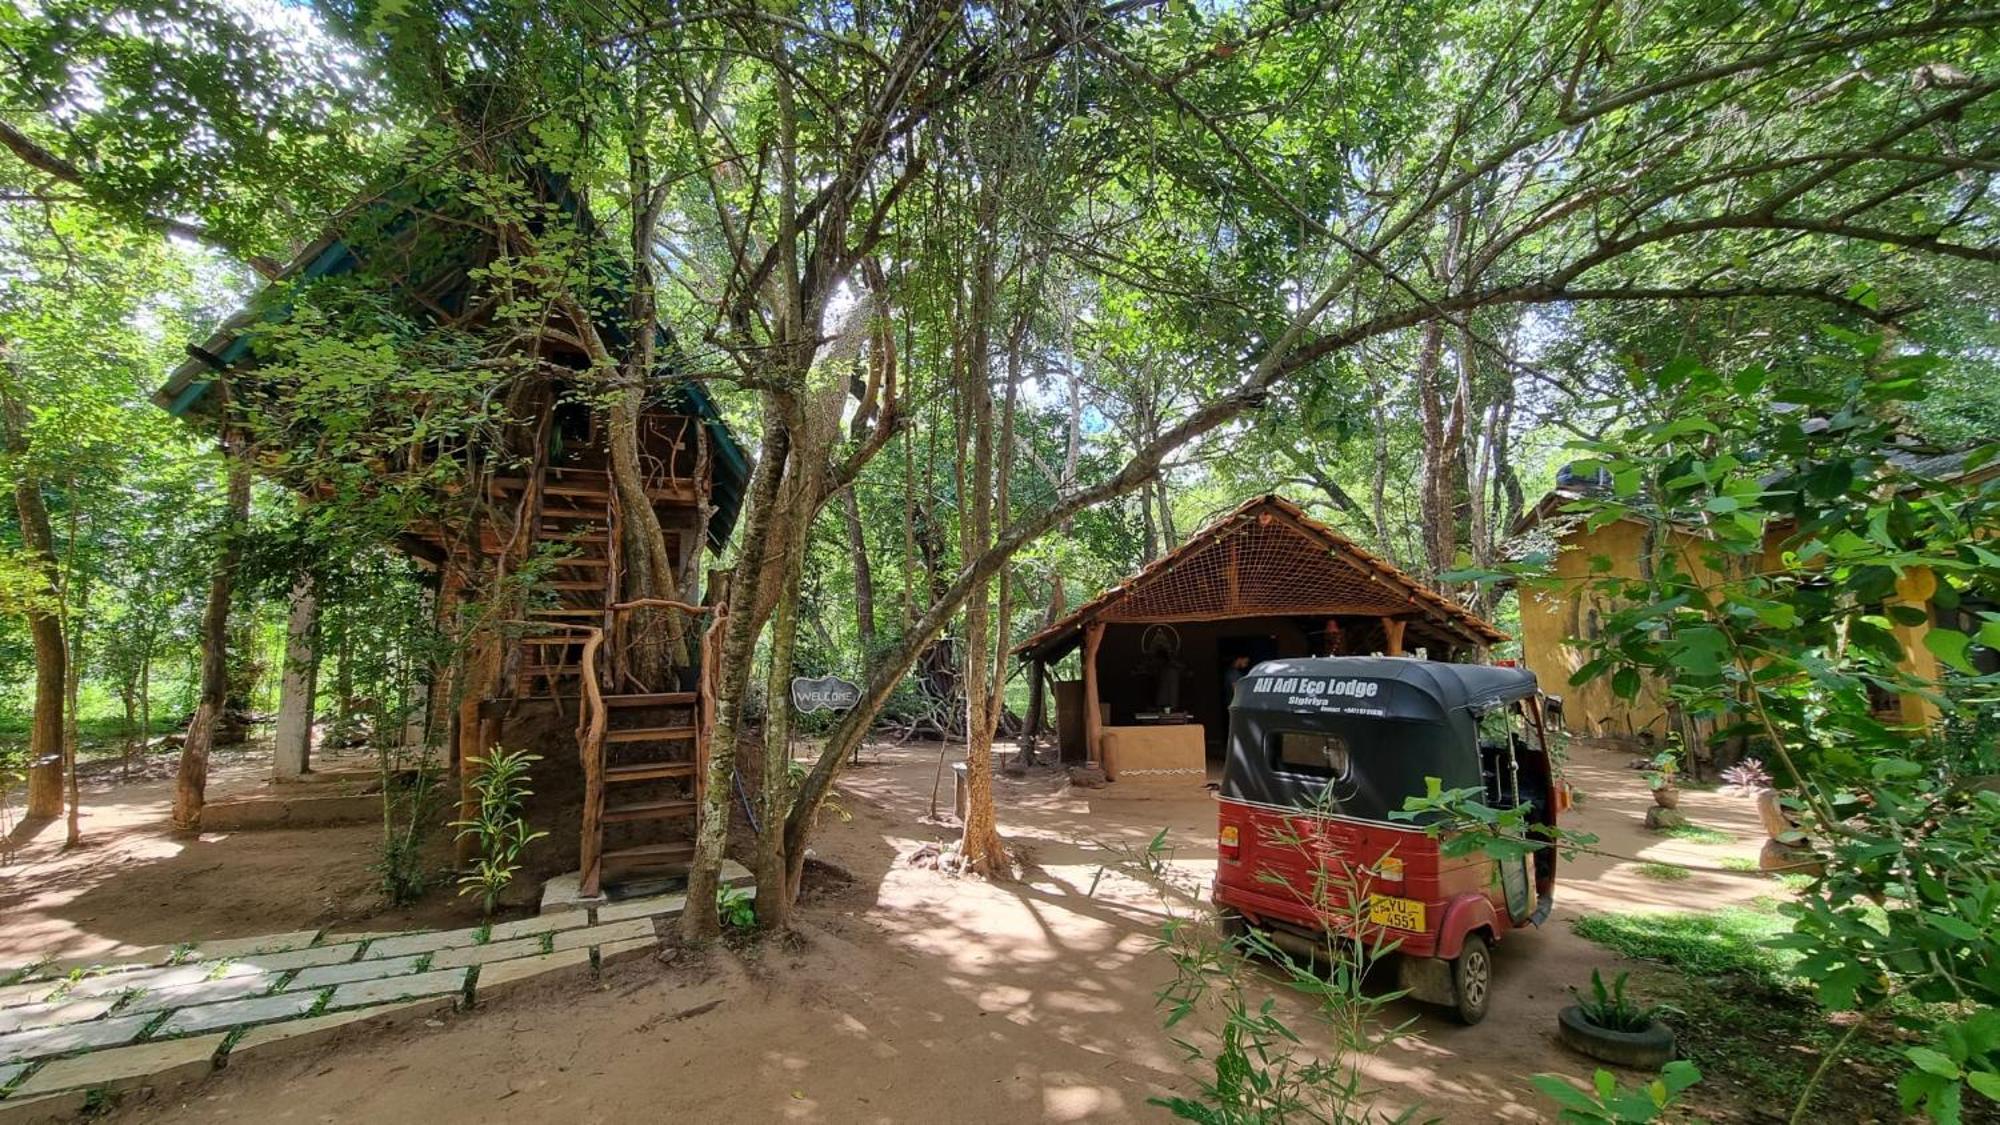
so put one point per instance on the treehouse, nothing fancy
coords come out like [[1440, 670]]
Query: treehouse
[[1159, 653], [488, 436]]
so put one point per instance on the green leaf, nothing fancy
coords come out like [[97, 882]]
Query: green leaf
[[1950, 646], [1985, 1082], [1932, 1062]]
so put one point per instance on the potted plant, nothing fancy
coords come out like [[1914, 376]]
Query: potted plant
[[1612, 1027], [1662, 773]]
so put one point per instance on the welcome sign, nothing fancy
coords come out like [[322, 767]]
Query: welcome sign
[[824, 693]]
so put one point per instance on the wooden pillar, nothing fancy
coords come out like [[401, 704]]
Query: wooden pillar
[[291, 753], [1093, 635], [1392, 628]]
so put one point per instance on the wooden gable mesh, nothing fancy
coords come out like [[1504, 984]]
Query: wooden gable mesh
[[1256, 567]]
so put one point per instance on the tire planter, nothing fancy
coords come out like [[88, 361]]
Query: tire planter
[[1650, 1049], [1667, 797]]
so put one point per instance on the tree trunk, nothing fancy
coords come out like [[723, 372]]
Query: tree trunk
[[72, 737], [864, 576], [191, 782], [774, 897], [699, 921], [291, 754], [45, 732]]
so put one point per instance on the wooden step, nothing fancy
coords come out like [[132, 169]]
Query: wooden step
[[649, 810], [652, 699], [677, 852], [593, 515], [647, 771], [565, 611], [547, 670], [571, 535], [542, 640], [598, 561], [650, 734], [576, 584]]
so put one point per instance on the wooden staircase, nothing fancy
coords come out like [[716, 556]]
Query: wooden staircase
[[642, 752]]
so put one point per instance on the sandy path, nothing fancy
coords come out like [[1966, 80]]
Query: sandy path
[[912, 997]]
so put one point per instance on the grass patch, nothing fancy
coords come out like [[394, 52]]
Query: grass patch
[[1796, 883], [1737, 863], [1713, 943], [1756, 1032], [1664, 872], [1699, 834]]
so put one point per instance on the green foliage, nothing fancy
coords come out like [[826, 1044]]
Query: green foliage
[[1789, 534], [1710, 944], [1612, 1010], [737, 908], [1702, 834], [500, 831], [1664, 872], [1608, 1103]]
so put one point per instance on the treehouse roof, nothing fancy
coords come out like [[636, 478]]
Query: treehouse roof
[[433, 258], [1268, 559]]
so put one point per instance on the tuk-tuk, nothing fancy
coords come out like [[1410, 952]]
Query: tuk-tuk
[[1321, 751]]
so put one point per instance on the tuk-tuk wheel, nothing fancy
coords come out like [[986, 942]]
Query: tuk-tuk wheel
[[1230, 924], [1472, 980]]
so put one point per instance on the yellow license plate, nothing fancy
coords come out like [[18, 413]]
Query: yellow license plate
[[1396, 913]]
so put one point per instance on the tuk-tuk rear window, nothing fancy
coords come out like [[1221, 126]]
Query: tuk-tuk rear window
[[1316, 754]]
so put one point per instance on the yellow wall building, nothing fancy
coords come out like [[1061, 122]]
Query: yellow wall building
[[1552, 617]]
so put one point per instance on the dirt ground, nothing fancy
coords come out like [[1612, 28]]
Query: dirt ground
[[908, 995], [136, 883]]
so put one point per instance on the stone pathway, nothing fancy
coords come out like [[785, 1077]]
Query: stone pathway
[[75, 1033]]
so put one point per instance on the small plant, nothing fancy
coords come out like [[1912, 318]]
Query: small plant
[[736, 907], [1607, 1103], [1747, 777], [501, 831], [1663, 770], [1610, 1008]]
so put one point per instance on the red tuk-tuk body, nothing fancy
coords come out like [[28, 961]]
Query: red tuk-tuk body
[[1321, 751]]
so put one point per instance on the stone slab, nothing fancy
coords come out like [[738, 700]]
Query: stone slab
[[617, 951], [276, 1040], [176, 976], [242, 947], [157, 1065], [363, 935], [564, 893], [49, 1109], [491, 951], [302, 958], [409, 987], [420, 943], [42, 1042], [322, 975], [499, 976], [540, 924], [147, 957], [654, 907], [261, 1009], [54, 1014], [599, 935], [27, 992], [206, 992]]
